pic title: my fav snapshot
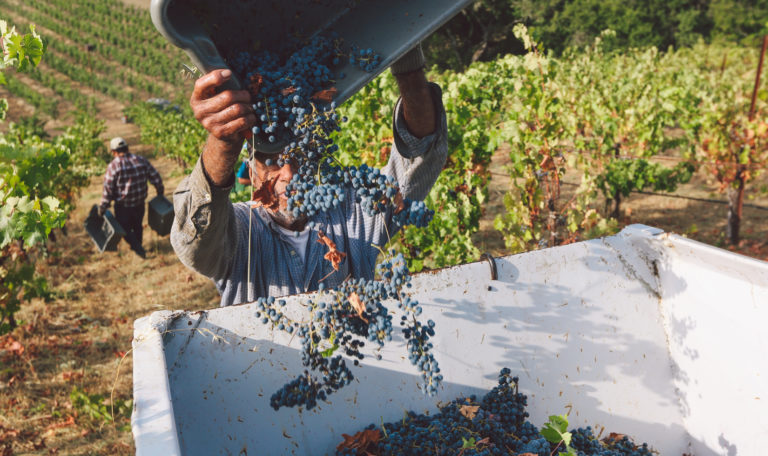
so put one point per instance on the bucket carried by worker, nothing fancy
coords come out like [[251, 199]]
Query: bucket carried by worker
[[105, 231], [160, 215]]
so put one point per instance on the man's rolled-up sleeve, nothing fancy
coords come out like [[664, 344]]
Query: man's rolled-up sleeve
[[416, 162], [203, 233]]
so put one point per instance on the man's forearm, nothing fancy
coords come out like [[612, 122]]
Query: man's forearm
[[219, 158], [418, 106]]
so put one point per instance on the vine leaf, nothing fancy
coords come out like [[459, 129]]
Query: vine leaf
[[334, 255], [362, 442], [556, 430], [325, 96], [265, 196], [358, 305], [469, 411]]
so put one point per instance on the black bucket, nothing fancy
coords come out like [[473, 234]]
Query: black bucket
[[160, 215], [105, 231]]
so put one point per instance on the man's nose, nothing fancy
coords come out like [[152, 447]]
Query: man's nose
[[287, 171]]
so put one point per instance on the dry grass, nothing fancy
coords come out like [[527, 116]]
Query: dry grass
[[78, 339]]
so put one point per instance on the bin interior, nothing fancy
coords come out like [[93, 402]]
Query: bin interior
[[642, 333]]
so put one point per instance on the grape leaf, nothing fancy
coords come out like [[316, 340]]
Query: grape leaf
[[358, 305], [265, 196], [362, 442], [334, 255], [469, 411], [556, 430], [325, 96]]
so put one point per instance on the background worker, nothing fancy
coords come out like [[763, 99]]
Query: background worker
[[125, 183]]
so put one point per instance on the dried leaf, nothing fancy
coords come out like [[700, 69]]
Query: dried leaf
[[469, 411], [256, 81], [360, 441], [399, 203], [325, 96], [334, 255], [288, 90], [70, 421], [614, 437], [71, 375], [358, 305], [265, 196], [13, 346]]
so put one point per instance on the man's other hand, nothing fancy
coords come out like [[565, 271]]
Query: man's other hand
[[227, 115]]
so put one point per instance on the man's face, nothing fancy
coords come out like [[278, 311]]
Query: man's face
[[279, 178]]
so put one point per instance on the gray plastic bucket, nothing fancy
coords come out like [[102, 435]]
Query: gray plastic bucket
[[212, 32]]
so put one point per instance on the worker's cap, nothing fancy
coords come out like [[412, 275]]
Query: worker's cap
[[117, 143]]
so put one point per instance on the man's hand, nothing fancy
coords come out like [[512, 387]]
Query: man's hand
[[228, 117], [101, 211]]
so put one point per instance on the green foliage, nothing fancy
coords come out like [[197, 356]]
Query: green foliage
[[483, 30], [95, 407], [472, 112], [38, 180], [556, 432], [174, 132], [22, 52]]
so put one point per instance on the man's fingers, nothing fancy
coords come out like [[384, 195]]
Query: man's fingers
[[205, 86], [228, 130], [221, 102], [229, 114]]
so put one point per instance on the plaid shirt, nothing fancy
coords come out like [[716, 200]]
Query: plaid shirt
[[126, 181]]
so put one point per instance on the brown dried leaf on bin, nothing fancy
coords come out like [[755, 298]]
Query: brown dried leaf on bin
[[334, 255], [360, 441], [358, 305]]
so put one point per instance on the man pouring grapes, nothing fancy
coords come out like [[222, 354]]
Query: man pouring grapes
[[305, 209]]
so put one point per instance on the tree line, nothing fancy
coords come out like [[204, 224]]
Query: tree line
[[483, 30]]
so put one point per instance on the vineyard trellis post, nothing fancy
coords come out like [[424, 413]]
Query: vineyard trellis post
[[736, 195]]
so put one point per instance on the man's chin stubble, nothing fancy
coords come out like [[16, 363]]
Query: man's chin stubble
[[286, 219]]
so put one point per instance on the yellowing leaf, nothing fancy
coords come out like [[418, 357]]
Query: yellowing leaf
[[358, 305], [469, 411]]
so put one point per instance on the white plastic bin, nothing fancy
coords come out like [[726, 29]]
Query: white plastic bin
[[643, 333]]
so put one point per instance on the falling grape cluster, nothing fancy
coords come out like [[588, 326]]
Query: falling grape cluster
[[497, 424], [293, 102], [339, 325]]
